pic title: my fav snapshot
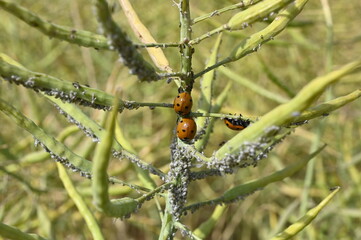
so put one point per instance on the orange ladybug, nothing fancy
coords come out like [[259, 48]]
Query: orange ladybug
[[183, 103], [186, 129], [236, 124]]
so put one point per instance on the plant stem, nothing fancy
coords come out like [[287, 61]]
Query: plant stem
[[79, 37], [240, 5], [241, 20], [10, 232], [115, 208], [254, 42], [156, 45], [185, 49], [84, 210]]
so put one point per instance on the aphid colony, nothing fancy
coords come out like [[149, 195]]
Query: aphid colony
[[187, 128]]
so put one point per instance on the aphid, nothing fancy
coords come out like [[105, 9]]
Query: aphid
[[76, 85], [183, 103], [236, 124], [186, 129]]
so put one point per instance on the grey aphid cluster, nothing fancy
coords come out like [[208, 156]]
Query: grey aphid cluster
[[62, 160], [134, 159], [218, 201], [208, 173], [248, 155], [201, 132], [87, 131], [70, 97], [131, 105], [179, 175]]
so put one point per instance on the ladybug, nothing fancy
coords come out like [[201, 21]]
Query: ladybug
[[186, 129], [183, 103], [236, 124]]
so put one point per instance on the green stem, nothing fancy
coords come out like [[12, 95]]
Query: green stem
[[274, 78], [254, 42], [88, 216], [167, 228], [58, 151], [119, 207], [325, 108], [67, 91], [205, 99], [207, 226], [156, 45], [185, 49], [304, 221], [248, 83], [329, 34], [185, 231], [79, 37], [242, 5], [151, 194], [216, 107], [242, 190], [243, 19], [92, 129], [285, 113], [10, 232]]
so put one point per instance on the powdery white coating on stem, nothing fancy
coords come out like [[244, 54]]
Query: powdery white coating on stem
[[249, 154], [69, 97], [134, 159], [63, 160], [180, 174], [87, 131]]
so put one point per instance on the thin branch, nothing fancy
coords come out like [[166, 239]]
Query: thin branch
[[240, 5], [186, 50], [71, 92], [156, 45], [255, 41], [255, 13], [79, 37]]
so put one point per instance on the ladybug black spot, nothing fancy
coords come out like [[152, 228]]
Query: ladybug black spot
[[183, 103]]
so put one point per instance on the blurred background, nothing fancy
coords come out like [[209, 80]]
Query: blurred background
[[319, 41]]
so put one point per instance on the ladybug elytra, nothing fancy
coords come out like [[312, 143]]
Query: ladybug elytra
[[186, 129], [183, 103], [236, 124]]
